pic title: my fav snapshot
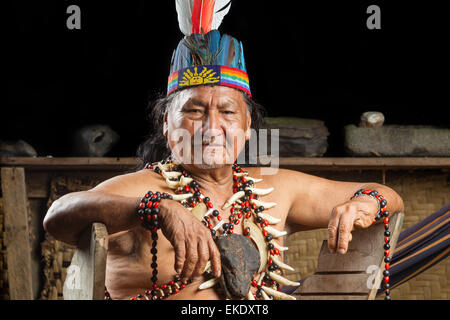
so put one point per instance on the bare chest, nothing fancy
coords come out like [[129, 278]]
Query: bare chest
[[130, 258]]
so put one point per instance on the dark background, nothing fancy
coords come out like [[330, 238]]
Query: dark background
[[313, 59]]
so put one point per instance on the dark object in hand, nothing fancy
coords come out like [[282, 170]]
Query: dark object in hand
[[240, 260]]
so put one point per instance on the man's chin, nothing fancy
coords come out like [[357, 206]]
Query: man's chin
[[213, 162], [213, 158], [205, 165], [209, 166]]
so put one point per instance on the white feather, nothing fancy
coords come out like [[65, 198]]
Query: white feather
[[218, 16], [184, 12]]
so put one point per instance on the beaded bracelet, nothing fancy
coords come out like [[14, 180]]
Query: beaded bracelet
[[148, 214], [381, 213], [149, 209]]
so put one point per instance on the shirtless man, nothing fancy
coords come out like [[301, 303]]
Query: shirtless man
[[185, 245]]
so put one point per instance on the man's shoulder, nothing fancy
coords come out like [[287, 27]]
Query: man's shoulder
[[132, 184], [282, 177], [140, 176], [276, 177]]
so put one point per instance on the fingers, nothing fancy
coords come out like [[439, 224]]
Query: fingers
[[199, 250], [358, 223], [203, 257], [340, 227], [214, 255], [180, 256], [332, 231], [191, 241], [344, 229], [191, 258]]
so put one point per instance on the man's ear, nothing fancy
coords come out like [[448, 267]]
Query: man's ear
[[165, 125]]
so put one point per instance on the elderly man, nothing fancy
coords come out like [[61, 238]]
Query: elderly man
[[157, 246]]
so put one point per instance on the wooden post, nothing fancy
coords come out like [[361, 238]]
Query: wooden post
[[85, 278], [16, 233]]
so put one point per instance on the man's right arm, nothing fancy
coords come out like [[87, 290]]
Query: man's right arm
[[71, 214], [113, 202]]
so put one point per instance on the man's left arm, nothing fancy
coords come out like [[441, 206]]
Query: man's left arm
[[321, 203]]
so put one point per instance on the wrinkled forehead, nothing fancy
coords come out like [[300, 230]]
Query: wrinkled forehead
[[208, 96]]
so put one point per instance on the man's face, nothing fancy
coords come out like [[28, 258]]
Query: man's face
[[207, 126]]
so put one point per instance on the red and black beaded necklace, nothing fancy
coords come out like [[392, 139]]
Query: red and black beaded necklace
[[148, 214]]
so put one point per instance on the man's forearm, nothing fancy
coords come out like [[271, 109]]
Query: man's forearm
[[74, 212], [313, 206], [394, 201]]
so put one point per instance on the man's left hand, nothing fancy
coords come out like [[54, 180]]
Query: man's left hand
[[357, 213]]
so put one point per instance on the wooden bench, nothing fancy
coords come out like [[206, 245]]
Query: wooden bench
[[85, 278], [355, 275]]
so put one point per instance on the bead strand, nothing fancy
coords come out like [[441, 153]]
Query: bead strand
[[148, 214], [382, 213], [242, 207]]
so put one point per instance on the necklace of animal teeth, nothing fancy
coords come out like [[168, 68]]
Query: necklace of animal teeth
[[243, 205]]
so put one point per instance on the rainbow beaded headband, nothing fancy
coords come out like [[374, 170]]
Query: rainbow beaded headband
[[212, 74]]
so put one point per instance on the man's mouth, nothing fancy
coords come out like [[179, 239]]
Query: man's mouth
[[215, 145], [211, 143]]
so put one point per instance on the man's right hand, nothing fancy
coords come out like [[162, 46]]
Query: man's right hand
[[192, 241]]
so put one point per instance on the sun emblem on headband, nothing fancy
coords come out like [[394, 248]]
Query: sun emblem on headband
[[192, 77]]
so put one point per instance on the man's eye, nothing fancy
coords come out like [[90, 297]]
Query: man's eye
[[194, 111], [228, 112]]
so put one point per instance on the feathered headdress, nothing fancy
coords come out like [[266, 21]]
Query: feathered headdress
[[204, 56]]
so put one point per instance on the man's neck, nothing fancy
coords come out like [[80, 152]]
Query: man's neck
[[220, 179]]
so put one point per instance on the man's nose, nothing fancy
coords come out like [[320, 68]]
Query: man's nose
[[212, 121]]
